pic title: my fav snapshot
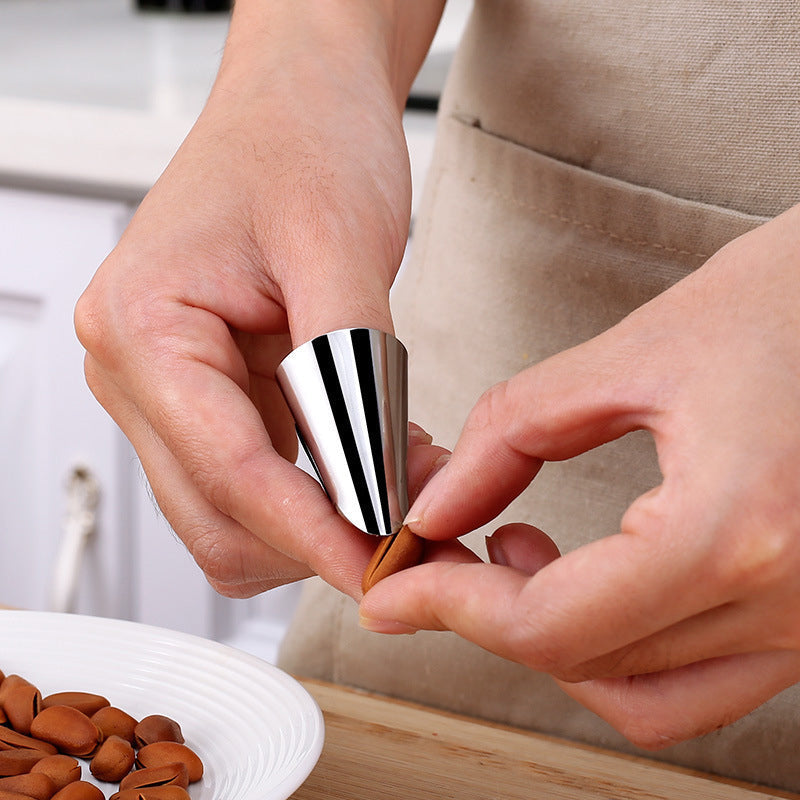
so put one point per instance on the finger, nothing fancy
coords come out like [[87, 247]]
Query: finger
[[262, 354], [572, 402], [594, 600], [223, 445], [235, 562], [418, 435], [288, 523], [660, 709], [450, 551], [521, 546], [476, 601], [351, 298], [722, 631], [424, 459]]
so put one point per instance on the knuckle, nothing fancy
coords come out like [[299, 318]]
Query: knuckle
[[502, 415], [109, 317], [489, 409], [648, 515], [90, 323], [221, 563], [752, 540], [756, 556], [221, 476], [537, 648], [235, 574]]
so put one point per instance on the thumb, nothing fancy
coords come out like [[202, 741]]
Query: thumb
[[348, 297], [559, 408]]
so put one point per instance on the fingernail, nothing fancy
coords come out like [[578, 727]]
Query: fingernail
[[497, 555], [418, 436], [415, 513], [389, 626]]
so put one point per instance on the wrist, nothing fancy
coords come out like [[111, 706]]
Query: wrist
[[379, 44]]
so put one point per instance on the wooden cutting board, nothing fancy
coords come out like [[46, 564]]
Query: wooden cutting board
[[381, 748]]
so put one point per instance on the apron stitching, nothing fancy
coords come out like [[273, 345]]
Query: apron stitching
[[596, 228]]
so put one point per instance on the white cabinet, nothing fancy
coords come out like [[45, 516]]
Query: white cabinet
[[133, 566], [49, 422]]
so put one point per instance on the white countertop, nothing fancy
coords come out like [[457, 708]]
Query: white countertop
[[95, 97]]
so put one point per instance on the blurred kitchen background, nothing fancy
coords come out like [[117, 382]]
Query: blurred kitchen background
[[95, 97]]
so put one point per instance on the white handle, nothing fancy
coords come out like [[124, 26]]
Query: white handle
[[83, 495]]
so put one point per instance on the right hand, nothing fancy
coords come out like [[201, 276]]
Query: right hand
[[283, 216]]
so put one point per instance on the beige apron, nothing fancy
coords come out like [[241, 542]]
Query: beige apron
[[590, 154]]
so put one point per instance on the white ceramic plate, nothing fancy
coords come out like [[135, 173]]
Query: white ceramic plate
[[257, 730]]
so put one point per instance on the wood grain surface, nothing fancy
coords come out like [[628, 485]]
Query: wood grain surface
[[381, 748]]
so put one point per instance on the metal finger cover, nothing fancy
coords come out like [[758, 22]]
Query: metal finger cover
[[348, 392]]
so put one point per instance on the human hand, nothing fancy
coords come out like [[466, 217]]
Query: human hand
[[685, 619], [284, 215]]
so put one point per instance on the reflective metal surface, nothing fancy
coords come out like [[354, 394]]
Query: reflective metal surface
[[348, 392]]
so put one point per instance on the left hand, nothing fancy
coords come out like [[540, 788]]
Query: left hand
[[686, 619]]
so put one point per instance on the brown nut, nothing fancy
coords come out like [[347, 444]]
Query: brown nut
[[153, 793], [61, 769], [113, 760], [8, 683], [160, 753], [22, 701], [79, 790], [11, 740], [157, 728], [70, 730], [32, 784], [168, 775], [8, 795], [86, 702], [394, 553], [114, 721], [18, 760]]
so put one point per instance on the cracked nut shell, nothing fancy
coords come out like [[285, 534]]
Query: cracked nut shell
[[394, 553], [158, 754], [10, 739], [18, 760], [61, 769], [31, 784], [153, 793], [168, 775], [21, 701], [157, 728]]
